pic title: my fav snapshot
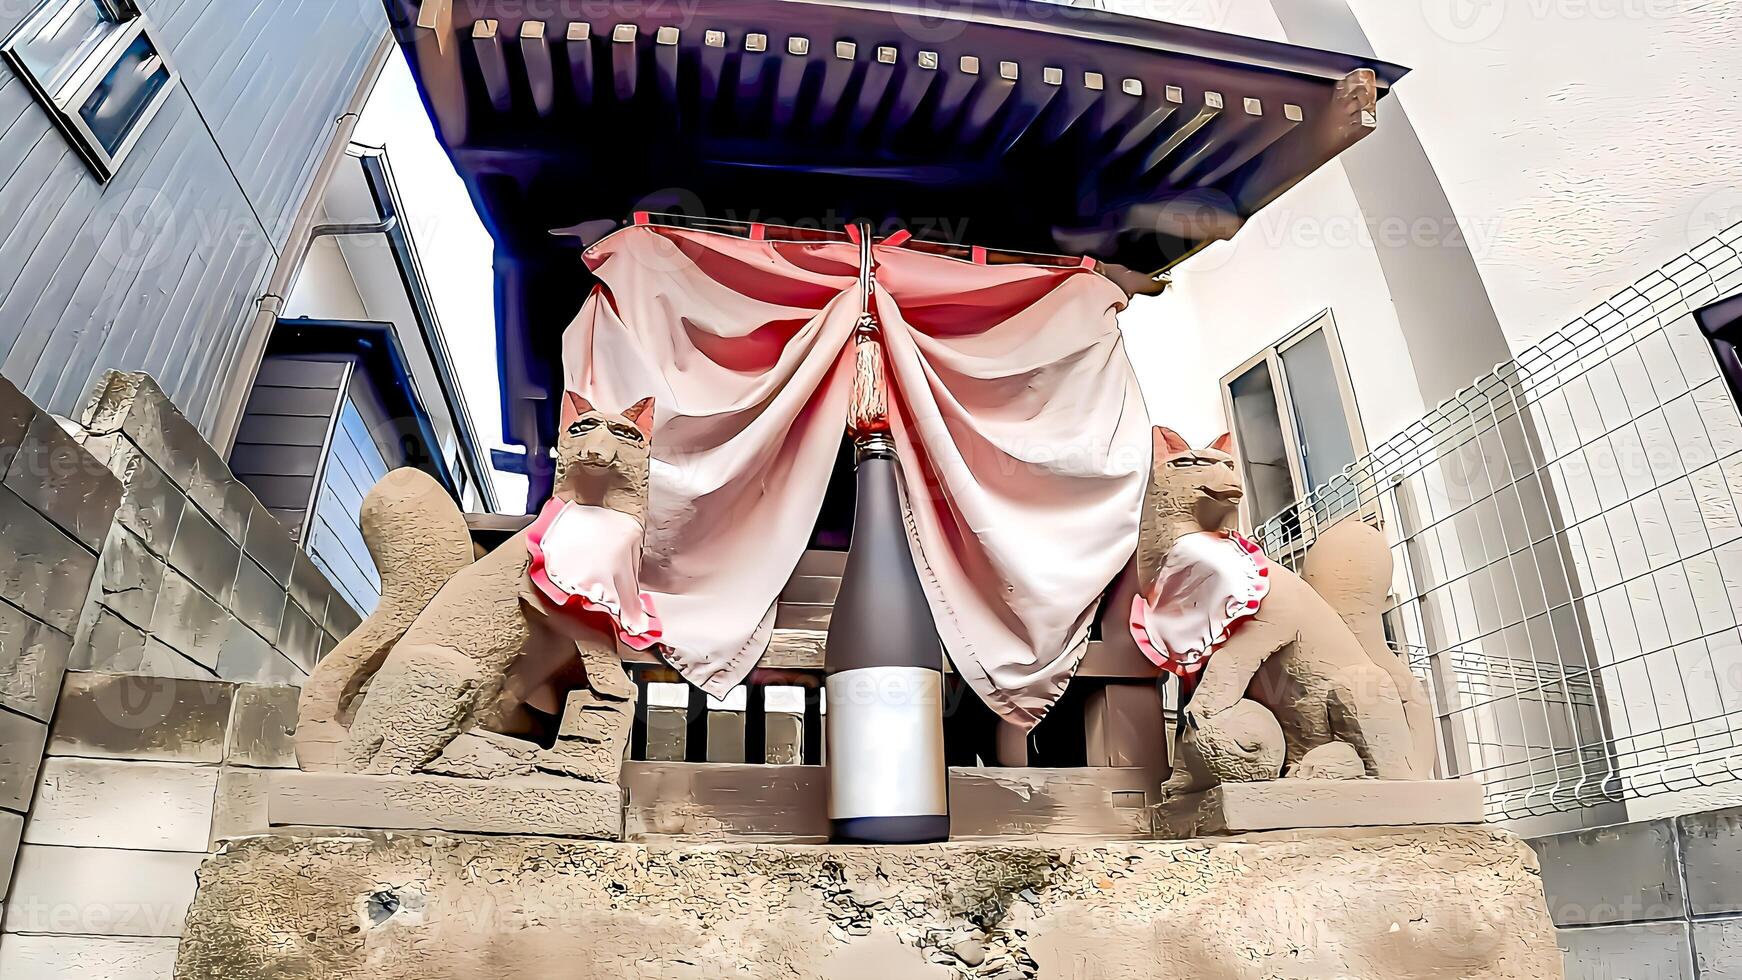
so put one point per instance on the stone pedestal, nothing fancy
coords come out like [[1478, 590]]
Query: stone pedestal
[[550, 805], [1430, 903], [1292, 804]]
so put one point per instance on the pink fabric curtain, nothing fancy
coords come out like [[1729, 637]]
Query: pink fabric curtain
[[1023, 439]]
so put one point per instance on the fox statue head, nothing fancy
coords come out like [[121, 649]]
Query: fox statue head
[[602, 458], [1189, 489], [1203, 484]]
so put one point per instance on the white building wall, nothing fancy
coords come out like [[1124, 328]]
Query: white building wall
[[1306, 253], [325, 287], [1309, 251], [1582, 142]]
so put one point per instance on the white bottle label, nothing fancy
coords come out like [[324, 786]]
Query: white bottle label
[[886, 743]]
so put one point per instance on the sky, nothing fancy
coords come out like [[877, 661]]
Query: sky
[[455, 250]]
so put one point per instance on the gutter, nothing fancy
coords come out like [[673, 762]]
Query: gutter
[[386, 196]]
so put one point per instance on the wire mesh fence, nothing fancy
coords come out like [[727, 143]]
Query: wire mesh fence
[[1568, 554]]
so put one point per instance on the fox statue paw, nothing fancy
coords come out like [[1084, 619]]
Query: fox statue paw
[[1332, 760], [1243, 744]]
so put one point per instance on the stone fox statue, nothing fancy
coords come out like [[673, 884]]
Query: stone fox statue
[[502, 645], [1296, 685]]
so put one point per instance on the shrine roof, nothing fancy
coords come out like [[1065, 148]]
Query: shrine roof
[[1012, 124]]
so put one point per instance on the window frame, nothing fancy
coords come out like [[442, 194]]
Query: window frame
[[1324, 322], [65, 101]]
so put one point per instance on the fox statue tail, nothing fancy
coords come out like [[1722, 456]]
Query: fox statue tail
[[1349, 566], [418, 540]]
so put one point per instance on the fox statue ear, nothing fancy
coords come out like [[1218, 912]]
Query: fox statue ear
[[1224, 443], [573, 407], [641, 413], [1169, 443]]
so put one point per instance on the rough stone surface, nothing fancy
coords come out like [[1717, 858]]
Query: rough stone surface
[[239, 804], [418, 540], [127, 716], [1712, 854], [789, 804], [1639, 951], [1427, 904], [11, 833], [485, 755], [473, 646], [21, 742], [1289, 804], [263, 727], [539, 804], [154, 806], [1718, 949]]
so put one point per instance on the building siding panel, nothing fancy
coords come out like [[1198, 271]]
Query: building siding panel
[[246, 63], [155, 271], [160, 269]]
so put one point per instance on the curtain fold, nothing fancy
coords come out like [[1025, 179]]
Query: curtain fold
[[1023, 441]]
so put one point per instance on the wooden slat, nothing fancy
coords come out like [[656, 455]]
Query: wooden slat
[[666, 60], [696, 733], [1183, 134], [802, 650], [579, 51], [703, 801], [625, 61], [788, 650], [540, 75], [492, 64], [823, 563], [755, 724], [803, 615], [812, 589]]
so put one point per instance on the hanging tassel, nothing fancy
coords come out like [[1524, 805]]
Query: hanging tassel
[[869, 411]]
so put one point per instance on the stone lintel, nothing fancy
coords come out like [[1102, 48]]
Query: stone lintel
[[549, 806], [1295, 804]]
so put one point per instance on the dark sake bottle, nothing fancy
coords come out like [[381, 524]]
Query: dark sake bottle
[[888, 783]]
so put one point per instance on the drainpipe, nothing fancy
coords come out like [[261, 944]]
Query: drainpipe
[[341, 228], [227, 411]]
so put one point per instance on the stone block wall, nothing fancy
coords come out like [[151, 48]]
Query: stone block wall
[[1659, 899], [56, 504], [197, 579], [178, 615], [143, 776]]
